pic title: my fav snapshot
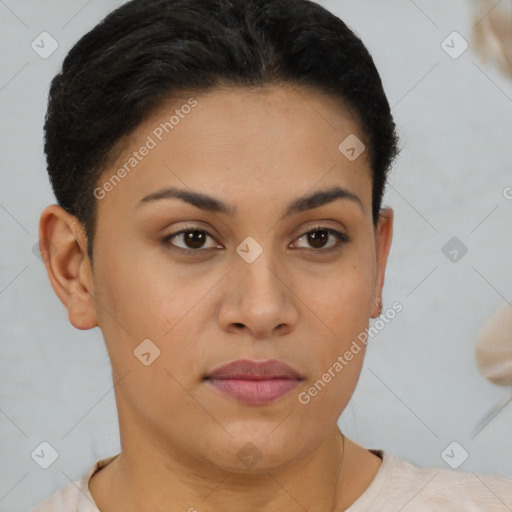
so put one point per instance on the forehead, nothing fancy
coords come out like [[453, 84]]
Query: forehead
[[250, 143]]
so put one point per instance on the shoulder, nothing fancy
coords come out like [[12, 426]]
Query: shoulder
[[416, 488], [66, 498], [74, 496]]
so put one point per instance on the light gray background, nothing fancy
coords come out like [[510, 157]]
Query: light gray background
[[420, 388]]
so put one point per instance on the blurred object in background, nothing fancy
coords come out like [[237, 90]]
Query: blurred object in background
[[494, 348], [492, 38], [494, 358], [492, 41]]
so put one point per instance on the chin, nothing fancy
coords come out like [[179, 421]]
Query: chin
[[253, 449]]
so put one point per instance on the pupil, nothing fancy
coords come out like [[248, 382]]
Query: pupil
[[193, 238], [314, 238]]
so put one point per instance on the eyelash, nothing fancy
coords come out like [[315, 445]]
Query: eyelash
[[342, 238]]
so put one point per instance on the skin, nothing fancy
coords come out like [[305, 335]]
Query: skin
[[256, 149]]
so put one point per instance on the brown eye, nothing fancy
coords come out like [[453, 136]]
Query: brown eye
[[193, 240], [318, 238]]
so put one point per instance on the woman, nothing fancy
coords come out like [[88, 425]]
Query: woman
[[219, 167]]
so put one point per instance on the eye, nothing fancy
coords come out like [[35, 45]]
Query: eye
[[318, 237], [192, 237]]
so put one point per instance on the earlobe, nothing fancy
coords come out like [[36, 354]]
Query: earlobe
[[63, 246], [383, 244], [377, 308]]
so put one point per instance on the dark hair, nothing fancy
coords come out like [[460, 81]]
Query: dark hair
[[147, 51]]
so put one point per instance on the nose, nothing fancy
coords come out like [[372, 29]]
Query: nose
[[258, 299]]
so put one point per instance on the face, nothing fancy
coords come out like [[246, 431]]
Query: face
[[236, 276]]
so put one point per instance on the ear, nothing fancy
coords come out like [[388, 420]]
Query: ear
[[383, 238], [63, 247]]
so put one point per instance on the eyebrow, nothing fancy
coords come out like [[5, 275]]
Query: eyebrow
[[205, 202]]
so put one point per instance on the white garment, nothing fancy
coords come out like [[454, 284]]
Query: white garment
[[397, 486]]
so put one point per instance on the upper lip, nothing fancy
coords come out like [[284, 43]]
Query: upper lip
[[249, 369]]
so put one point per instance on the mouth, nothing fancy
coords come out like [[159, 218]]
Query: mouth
[[254, 382]]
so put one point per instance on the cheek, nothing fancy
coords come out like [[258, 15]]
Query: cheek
[[156, 302], [148, 304], [342, 311], [339, 348], [342, 300], [139, 294]]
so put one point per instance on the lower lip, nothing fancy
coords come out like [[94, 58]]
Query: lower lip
[[254, 392]]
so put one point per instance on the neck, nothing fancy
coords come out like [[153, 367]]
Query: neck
[[144, 478]]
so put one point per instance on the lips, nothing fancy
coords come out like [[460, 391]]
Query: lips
[[254, 370], [254, 382]]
